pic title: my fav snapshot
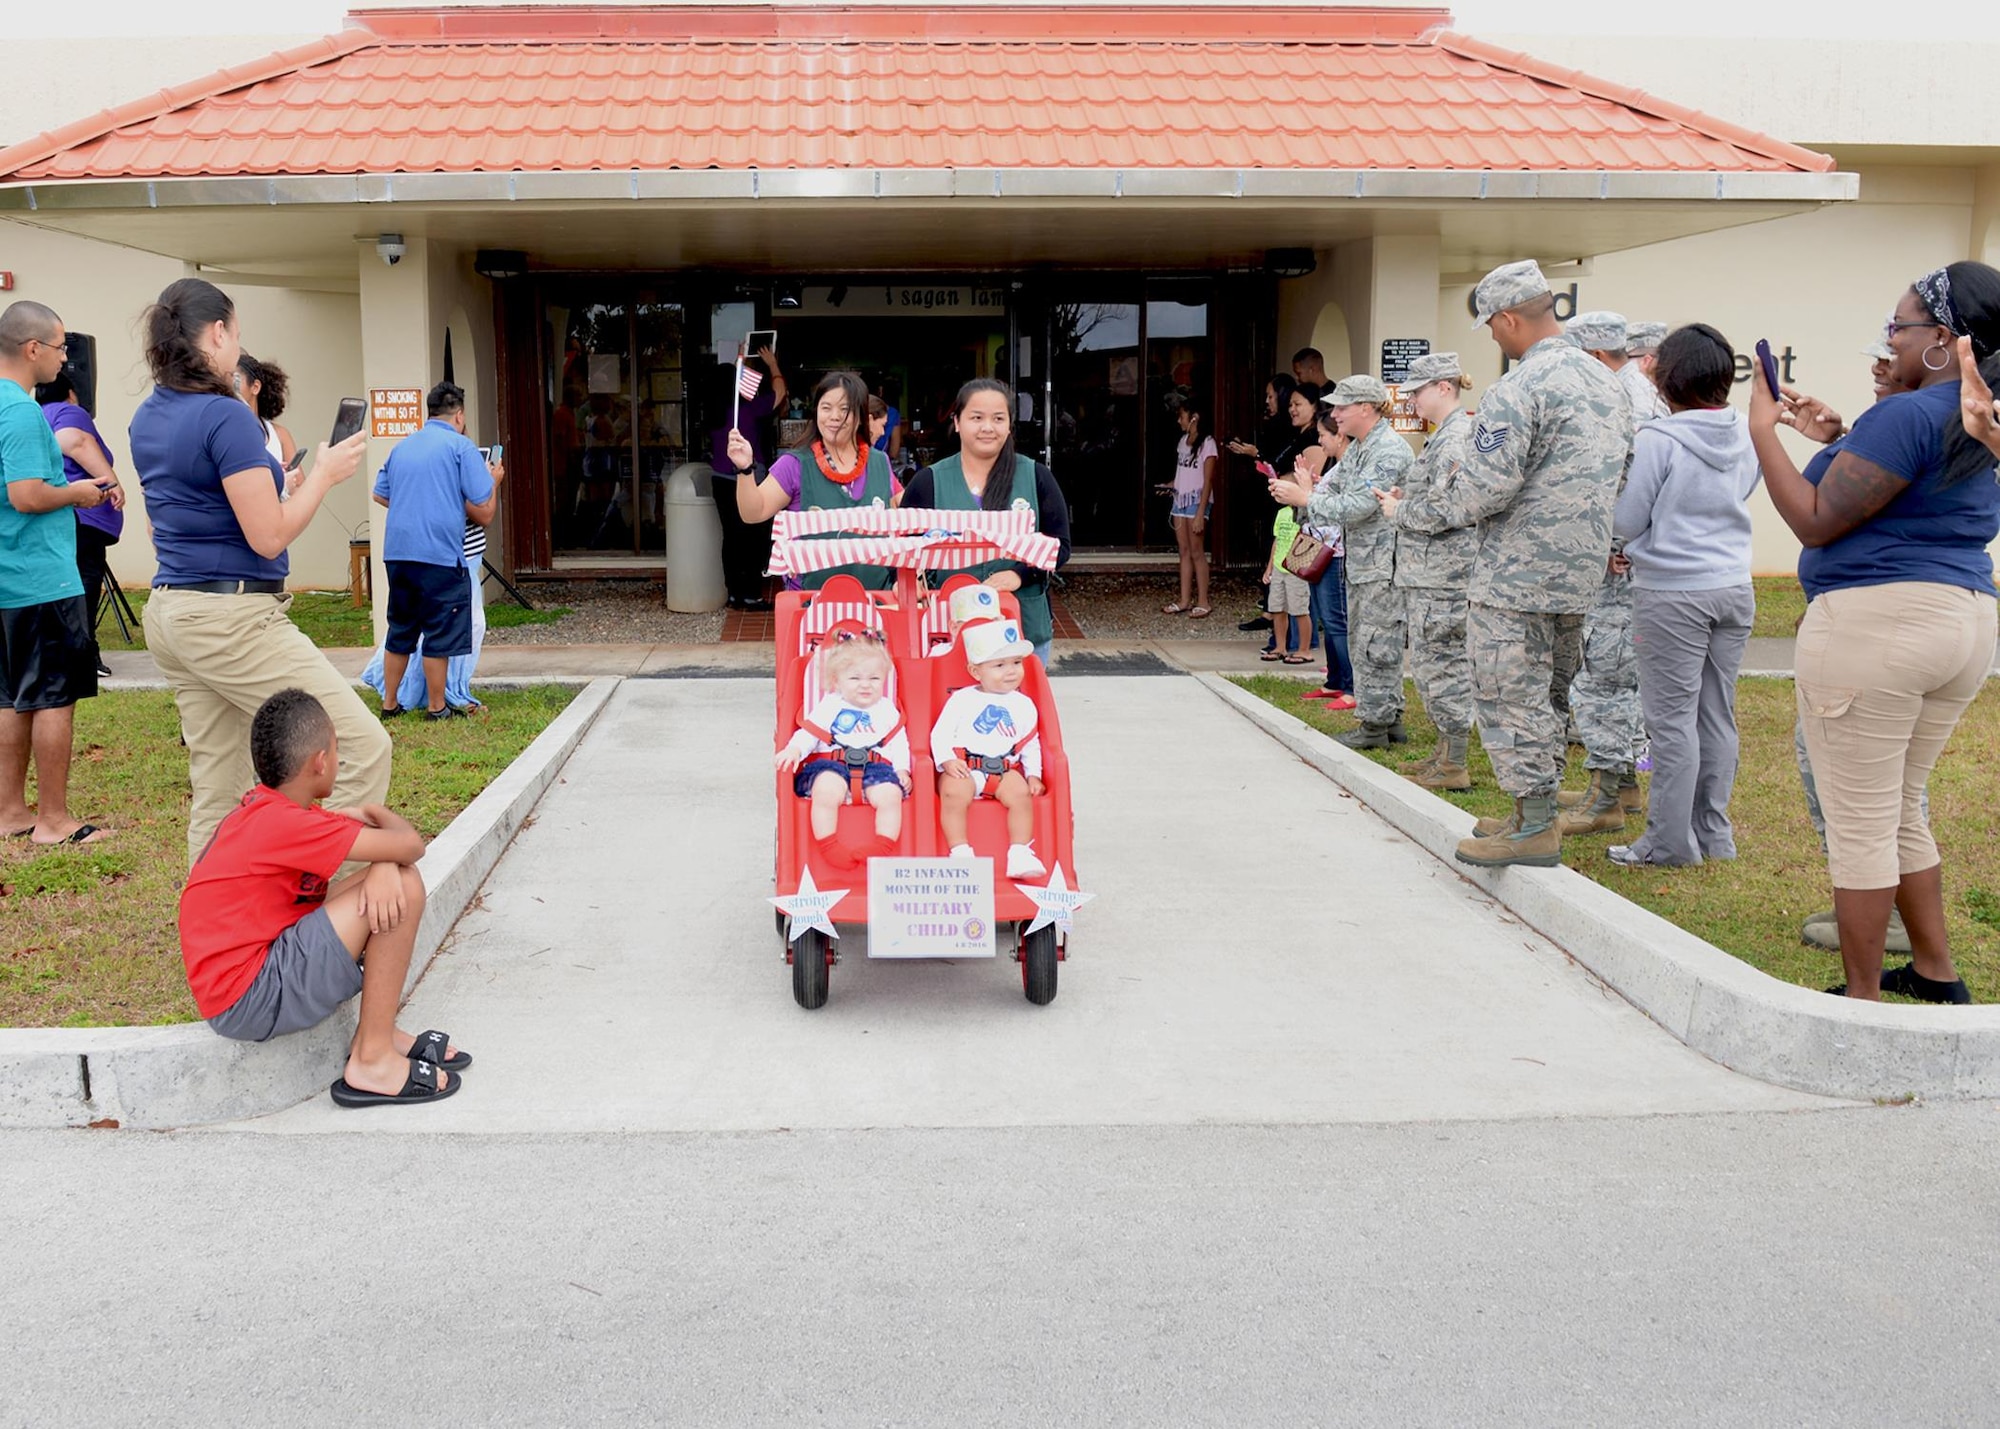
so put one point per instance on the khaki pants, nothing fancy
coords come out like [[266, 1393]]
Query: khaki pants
[[1883, 673], [223, 656]]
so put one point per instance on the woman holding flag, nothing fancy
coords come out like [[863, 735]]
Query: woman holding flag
[[988, 474], [756, 390], [834, 471]]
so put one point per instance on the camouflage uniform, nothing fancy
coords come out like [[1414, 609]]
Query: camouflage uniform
[[1432, 572], [1374, 608], [1540, 478], [1604, 699]]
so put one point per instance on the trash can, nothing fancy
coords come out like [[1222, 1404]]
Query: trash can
[[694, 541]]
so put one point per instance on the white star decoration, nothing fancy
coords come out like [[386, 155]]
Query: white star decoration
[[1055, 902], [809, 907]]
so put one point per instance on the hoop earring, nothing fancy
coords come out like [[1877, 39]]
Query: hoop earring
[[1942, 365]]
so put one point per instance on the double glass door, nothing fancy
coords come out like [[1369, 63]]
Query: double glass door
[[617, 415], [1105, 367]]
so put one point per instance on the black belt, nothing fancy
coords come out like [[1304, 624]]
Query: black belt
[[227, 587]]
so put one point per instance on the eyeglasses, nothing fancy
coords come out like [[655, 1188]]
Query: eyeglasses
[[1892, 327], [62, 347]]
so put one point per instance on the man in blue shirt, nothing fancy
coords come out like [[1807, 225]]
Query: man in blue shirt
[[432, 484], [47, 658]]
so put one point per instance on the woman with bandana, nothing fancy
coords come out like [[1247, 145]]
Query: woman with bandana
[[1899, 632]]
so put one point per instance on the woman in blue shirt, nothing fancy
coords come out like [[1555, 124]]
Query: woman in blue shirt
[[1895, 519], [216, 621]]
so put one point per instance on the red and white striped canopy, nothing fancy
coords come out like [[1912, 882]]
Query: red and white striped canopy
[[911, 538]]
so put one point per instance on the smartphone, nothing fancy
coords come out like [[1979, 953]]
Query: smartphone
[[298, 460], [1770, 366], [493, 454], [1267, 471], [348, 421]]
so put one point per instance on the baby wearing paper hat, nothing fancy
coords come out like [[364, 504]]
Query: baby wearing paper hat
[[985, 745], [968, 605]]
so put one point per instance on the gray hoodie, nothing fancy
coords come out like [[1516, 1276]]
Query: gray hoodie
[[1681, 515]]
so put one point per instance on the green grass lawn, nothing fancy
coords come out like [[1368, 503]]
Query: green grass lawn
[[1781, 600], [90, 934], [329, 618], [1752, 907]]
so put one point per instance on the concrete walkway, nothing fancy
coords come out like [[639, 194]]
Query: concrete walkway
[[1262, 950]]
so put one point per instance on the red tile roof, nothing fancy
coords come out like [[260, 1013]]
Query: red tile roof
[[546, 90]]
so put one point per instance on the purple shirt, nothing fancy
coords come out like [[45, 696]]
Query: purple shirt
[[67, 416], [750, 417]]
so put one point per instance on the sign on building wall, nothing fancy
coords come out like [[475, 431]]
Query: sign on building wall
[[1397, 355], [899, 300], [394, 411]]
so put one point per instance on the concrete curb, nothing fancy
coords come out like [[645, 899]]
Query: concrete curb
[[185, 1075], [1721, 1007]]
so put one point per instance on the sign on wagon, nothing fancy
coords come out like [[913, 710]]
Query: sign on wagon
[[930, 908]]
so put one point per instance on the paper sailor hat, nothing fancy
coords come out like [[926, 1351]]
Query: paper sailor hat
[[994, 640], [973, 602]]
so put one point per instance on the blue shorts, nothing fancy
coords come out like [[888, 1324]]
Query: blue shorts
[[1187, 504], [872, 773]]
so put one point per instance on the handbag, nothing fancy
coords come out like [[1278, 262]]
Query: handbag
[[1308, 558]]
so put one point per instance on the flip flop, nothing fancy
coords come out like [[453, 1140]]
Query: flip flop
[[422, 1086], [1173, 607], [430, 1047], [1269, 655], [82, 834], [1200, 612], [21, 833], [1297, 660]]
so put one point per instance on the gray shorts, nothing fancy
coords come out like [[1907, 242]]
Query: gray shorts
[[307, 974], [1289, 595]]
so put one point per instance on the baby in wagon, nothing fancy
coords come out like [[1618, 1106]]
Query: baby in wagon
[[968, 604], [852, 742], [985, 745]]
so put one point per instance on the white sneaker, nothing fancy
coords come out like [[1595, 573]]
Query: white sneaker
[[963, 852], [1022, 863]]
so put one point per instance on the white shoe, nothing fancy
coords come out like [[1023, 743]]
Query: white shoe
[[1022, 863], [963, 852]]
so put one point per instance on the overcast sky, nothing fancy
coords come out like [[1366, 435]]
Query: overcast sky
[[1945, 21]]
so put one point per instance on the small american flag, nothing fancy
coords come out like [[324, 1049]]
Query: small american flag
[[748, 380]]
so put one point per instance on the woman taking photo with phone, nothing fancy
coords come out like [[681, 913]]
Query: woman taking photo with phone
[[836, 470], [216, 621], [988, 474], [1899, 630]]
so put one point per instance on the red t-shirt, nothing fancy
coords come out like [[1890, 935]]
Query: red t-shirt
[[266, 867]]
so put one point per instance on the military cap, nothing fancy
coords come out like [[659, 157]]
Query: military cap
[[1877, 351], [1641, 338], [1433, 367], [1598, 332], [1360, 388], [1508, 286]]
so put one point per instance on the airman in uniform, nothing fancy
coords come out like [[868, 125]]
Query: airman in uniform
[[1433, 571], [1551, 440]]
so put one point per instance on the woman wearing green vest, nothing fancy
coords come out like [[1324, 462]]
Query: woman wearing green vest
[[835, 470], [988, 474]]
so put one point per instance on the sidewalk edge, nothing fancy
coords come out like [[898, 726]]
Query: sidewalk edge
[[1718, 1005], [185, 1075]]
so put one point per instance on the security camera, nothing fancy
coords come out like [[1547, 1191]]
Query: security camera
[[390, 248]]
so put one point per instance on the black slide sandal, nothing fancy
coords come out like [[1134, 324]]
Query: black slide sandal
[[430, 1047], [422, 1086]]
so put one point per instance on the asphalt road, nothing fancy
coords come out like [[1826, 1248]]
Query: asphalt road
[[1811, 1268]]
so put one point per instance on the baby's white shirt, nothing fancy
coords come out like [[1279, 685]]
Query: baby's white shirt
[[853, 727], [980, 723]]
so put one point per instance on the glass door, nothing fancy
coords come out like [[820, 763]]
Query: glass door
[[1093, 408], [617, 416]]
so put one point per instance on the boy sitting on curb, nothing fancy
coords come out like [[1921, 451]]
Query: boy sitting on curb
[[985, 745], [271, 948]]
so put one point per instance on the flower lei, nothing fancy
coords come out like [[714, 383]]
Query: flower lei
[[844, 478]]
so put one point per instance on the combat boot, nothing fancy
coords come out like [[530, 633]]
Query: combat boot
[[1397, 734], [1488, 828], [1370, 736], [1448, 771], [1414, 767], [1533, 842], [1600, 810], [1630, 797]]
